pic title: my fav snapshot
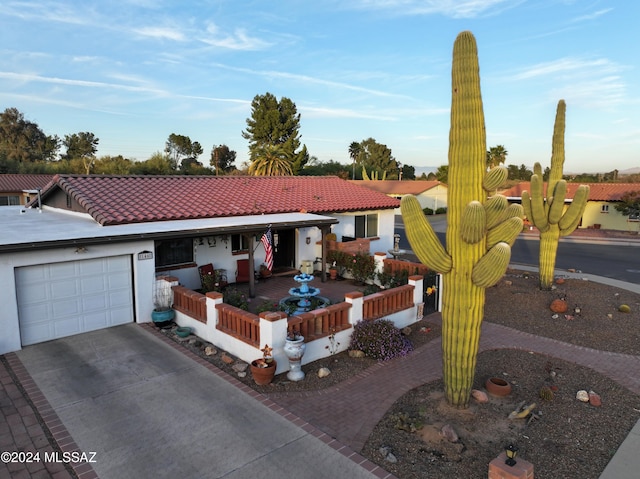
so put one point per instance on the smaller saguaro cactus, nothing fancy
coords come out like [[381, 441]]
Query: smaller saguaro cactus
[[549, 214]]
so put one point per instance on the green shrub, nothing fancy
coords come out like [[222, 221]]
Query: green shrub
[[363, 267], [236, 298], [379, 339]]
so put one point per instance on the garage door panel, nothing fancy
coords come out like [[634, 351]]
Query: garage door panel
[[62, 289], [97, 320], [62, 299]]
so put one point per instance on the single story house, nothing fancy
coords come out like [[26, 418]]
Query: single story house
[[84, 254], [430, 194], [600, 211], [16, 189]]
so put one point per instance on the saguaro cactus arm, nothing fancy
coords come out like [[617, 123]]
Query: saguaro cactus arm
[[423, 239]]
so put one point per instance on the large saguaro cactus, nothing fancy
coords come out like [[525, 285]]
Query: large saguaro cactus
[[480, 231], [548, 214]]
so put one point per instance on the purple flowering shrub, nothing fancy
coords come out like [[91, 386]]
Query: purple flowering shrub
[[379, 339]]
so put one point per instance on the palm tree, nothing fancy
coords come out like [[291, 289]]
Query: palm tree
[[354, 150], [271, 160], [496, 155]]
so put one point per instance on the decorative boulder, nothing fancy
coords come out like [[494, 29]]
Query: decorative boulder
[[323, 372], [559, 306]]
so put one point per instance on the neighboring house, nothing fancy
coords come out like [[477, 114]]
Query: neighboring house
[[600, 211], [20, 189], [88, 258], [430, 194]]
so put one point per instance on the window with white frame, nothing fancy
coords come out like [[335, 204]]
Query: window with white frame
[[367, 225], [604, 208]]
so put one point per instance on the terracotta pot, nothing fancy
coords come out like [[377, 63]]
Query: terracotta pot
[[497, 387], [333, 273], [262, 376]]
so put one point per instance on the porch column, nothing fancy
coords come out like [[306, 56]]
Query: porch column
[[324, 231], [252, 273]]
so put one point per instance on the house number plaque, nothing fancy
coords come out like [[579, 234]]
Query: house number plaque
[[145, 255]]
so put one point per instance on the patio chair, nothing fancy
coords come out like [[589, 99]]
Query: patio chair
[[243, 271]]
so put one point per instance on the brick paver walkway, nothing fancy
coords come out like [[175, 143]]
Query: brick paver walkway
[[29, 425], [350, 410]]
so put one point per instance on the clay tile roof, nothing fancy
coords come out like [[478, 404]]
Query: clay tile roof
[[135, 199], [397, 187], [16, 182], [597, 191]]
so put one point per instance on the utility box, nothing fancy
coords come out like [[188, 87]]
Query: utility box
[[307, 266]]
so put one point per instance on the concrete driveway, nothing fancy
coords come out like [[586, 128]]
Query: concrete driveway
[[148, 411]]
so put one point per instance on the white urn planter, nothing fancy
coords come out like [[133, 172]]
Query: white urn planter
[[294, 350]]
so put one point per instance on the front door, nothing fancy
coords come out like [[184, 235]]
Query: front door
[[284, 248]]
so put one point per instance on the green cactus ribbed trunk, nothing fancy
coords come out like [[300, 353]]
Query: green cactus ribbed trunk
[[547, 259], [463, 302]]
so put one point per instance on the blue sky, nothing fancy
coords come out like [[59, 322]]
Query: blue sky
[[135, 71]]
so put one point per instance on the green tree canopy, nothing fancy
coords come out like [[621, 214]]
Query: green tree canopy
[[222, 159], [496, 155], [629, 204], [180, 147], [274, 130], [376, 158], [23, 142], [327, 168], [81, 146], [158, 164]]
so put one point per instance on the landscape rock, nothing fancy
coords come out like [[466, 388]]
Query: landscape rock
[[226, 359], [406, 331], [323, 372], [210, 351], [240, 366], [508, 283], [449, 433], [480, 396], [594, 399], [582, 395], [356, 353], [559, 306]]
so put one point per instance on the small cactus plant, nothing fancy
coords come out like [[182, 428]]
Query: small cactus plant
[[548, 214], [624, 308], [480, 230], [546, 394]]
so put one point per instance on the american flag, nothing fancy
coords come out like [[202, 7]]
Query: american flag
[[268, 250]]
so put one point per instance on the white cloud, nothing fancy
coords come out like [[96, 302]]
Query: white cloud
[[161, 33], [448, 8], [238, 40]]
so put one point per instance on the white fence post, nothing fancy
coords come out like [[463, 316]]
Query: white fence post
[[356, 300]]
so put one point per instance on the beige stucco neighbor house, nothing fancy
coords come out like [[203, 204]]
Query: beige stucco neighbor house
[[430, 194], [17, 189], [84, 255], [600, 211]]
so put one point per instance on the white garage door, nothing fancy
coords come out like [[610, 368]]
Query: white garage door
[[60, 299]]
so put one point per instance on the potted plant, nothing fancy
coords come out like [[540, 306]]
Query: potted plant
[[264, 369], [162, 314], [264, 270], [294, 349], [333, 271]]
